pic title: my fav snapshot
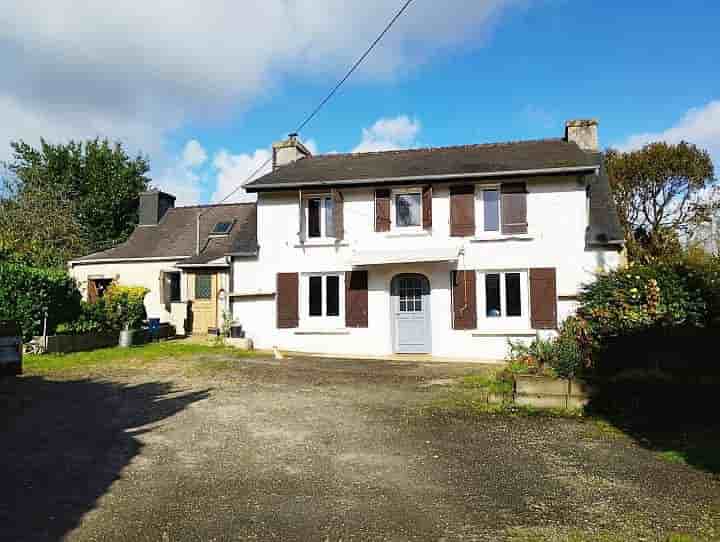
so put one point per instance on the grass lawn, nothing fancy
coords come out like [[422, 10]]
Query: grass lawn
[[195, 356]]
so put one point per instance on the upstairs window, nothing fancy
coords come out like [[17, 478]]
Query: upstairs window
[[491, 210], [408, 209], [320, 217]]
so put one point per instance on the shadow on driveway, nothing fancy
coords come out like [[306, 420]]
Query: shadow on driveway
[[64, 442]]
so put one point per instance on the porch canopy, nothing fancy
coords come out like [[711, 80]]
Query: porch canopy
[[415, 255]]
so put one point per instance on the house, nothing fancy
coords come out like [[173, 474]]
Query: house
[[443, 251], [182, 255]]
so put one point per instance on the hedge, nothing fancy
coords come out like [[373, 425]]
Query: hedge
[[26, 292]]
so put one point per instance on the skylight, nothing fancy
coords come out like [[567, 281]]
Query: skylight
[[222, 228]]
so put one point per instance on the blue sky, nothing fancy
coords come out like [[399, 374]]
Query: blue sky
[[206, 93]]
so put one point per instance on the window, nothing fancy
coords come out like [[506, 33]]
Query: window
[[512, 294], [174, 284], [408, 209], [504, 294], [203, 286], [323, 295], [320, 217], [491, 210], [410, 294], [492, 295], [221, 228]]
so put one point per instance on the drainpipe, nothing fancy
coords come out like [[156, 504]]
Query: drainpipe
[[197, 234]]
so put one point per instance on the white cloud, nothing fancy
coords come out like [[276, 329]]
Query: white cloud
[[183, 179], [388, 134], [234, 169], [137, 70], [700, 125], [194, 154]]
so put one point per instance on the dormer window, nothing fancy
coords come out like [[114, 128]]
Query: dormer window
[[222, 228]]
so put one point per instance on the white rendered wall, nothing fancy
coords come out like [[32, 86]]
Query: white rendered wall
[[557, 220], [145, 274]]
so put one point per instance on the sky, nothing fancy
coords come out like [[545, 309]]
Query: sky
[[203, 88]]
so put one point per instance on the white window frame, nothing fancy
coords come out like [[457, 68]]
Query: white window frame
[[503, 321], [393, 211], [480, 211], [324, 234], [323, 321]]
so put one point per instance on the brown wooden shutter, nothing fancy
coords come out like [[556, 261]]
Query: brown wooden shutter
[[356, 299], [301, 217], [462, 210], [464, 300], [287, 300], [92, 293], [339, 214], [514, 208], [543, 298], [427, 207], [382, 210]]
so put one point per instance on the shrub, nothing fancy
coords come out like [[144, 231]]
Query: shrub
[[534, 358], [125, 306], [93, 318], [27, 292]]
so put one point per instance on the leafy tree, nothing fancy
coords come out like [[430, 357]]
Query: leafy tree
[[38, 225], [96, 180], [663, 193]]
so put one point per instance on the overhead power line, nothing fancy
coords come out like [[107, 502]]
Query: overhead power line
[[329, 96]]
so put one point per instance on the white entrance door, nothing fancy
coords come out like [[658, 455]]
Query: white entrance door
[[411, 314]]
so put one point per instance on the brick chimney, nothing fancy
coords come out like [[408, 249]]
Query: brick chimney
[[584, 132], [153, 206], [290, 150]]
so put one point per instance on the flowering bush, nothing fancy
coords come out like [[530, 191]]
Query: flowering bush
[[642, 296], [125, 305]]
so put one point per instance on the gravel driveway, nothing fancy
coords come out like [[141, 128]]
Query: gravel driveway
[[315, 449]]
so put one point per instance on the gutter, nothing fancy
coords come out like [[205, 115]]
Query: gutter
[[114, 260], [252, 188]]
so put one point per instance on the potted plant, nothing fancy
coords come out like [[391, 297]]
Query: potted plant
[[126, 307]]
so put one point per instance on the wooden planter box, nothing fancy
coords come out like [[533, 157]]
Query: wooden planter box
[[547, 392], [63, 344]]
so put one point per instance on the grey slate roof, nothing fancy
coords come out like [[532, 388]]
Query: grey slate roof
[[603, 224], [175, 237], [372, 167]]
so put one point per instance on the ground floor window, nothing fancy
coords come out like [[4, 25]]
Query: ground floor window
[[97, 288], [203, 286], [503, 294], [323, 295]]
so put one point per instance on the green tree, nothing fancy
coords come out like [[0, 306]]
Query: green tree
[[37, 225], [664, 194], [97, 180]]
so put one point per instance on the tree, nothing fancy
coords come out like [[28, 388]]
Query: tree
[[664, 194], [97, 180], [37, 225]]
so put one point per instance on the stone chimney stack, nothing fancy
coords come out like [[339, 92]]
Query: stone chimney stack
[[584, 132], [153, 206], [285, 152]]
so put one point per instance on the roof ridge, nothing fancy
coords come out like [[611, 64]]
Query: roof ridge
[[430, 149]]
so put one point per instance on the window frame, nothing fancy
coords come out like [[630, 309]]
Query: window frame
[[394, 193], [323, 197], [322, 320], [480, 210], [503, 321]]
